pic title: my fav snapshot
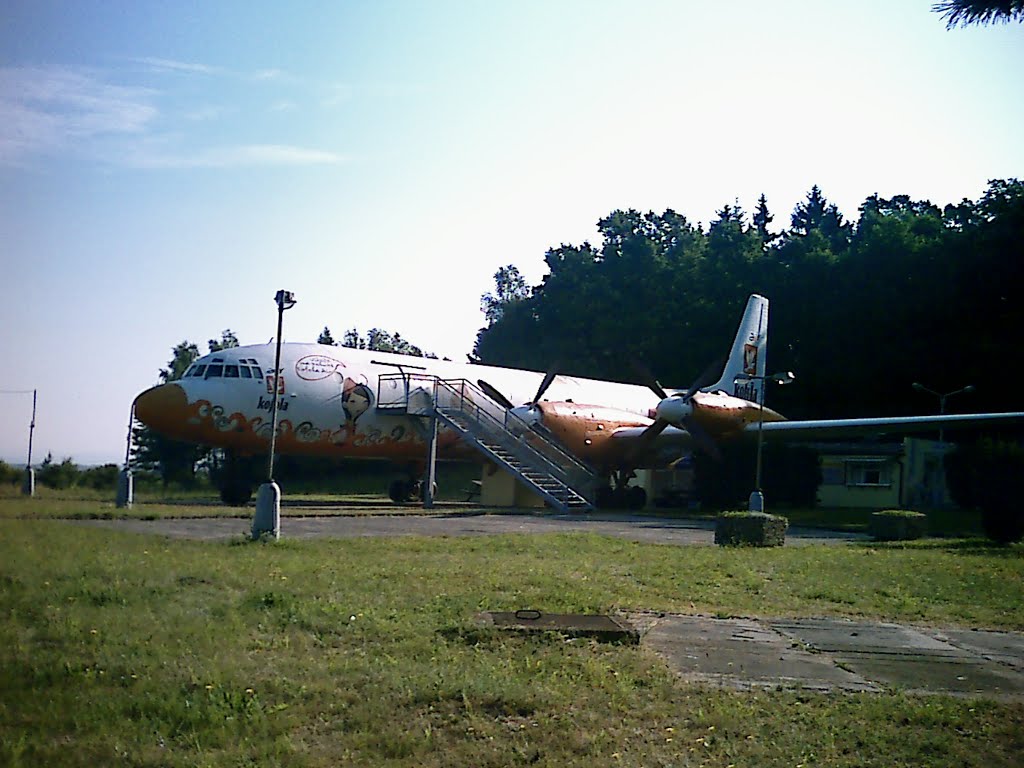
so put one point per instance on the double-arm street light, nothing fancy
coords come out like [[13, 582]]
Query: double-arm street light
[[268, 499], [756, 502], [942, 398]]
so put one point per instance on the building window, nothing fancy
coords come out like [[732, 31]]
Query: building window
[[871, 474]]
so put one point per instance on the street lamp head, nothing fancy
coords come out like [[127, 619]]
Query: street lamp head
[[786, 377], [285, 300], [969, 388], [919, 387]]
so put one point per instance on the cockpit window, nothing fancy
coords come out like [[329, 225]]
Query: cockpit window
[[188, 372], [199, 371], [258, 372], [215, 371], [230, 371], [244, 370]]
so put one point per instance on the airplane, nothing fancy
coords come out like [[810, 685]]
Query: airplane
[[349, 403]]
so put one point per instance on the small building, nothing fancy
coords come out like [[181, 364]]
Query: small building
[[905, 475]]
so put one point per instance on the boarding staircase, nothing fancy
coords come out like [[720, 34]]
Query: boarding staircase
[[530, 454]]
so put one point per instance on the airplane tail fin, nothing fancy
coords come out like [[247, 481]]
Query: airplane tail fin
[[747, 357]]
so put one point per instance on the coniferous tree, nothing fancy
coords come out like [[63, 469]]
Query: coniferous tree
[[761, 219]]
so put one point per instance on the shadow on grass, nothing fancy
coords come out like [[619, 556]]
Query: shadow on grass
[[973, 546]]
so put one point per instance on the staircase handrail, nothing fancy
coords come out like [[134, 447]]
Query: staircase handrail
[[509, 425]]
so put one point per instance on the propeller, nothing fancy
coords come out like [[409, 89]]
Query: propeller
[[528, 412], [678, 408]]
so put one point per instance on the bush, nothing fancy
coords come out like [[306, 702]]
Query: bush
[[10, 475], [897, 525], [987, 475], [101, 478], [57, 476], [756, 529]]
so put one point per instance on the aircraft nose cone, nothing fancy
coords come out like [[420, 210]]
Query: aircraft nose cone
[[162, 408]]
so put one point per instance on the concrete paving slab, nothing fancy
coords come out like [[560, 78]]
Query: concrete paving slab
[[924, 674], [1003, 647], [743, 653], [837, 654], [838, 635]]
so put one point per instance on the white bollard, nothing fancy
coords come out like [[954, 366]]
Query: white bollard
[[125, 489], [756, 502], [268, 511]]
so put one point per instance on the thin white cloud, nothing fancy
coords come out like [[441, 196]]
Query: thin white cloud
[[185, 67], [241, 156], [173, 66], [45, 110], [51, 111]]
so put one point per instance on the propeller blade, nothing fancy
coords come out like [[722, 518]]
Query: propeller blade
[[647, 437], [648, 379], [548, 378], [702, 439], [495, 395], [709, 376]]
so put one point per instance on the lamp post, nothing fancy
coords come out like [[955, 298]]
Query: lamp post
[[942, 399], [29, 486], [268, 499], [756, 501], [125, 496]]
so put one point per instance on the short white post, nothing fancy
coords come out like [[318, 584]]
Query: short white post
[[267, 519], [125, 489]]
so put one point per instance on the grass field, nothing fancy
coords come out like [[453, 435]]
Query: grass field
[[120, 649]]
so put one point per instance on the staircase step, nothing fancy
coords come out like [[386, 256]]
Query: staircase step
[[535, 472]]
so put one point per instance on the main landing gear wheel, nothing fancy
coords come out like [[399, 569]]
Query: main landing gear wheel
[[629, 497], [404, 491], [636, 497], [235, 486], [400, 491], [619, 494]]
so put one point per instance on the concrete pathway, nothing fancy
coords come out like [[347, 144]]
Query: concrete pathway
[[648, 529], [837, 654]]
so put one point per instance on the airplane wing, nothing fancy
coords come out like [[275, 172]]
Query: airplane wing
[[829, 429]]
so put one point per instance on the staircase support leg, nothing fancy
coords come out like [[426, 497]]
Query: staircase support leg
[[428, 483]]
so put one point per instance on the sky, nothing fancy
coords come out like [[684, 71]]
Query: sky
[[166, 167]]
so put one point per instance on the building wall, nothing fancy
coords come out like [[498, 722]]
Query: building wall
[[910, 475], [863, 481]]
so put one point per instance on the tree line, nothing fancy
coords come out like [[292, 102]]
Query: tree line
[[861, 308]]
